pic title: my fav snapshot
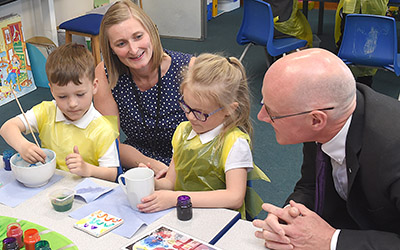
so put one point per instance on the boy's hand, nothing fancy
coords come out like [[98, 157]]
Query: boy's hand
[[76, 164], [31, 153], [157, 201]]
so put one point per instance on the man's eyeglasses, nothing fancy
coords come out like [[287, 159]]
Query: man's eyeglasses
[[197, 114], [273, 118]]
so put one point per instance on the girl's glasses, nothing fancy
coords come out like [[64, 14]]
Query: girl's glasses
[[197, 114]]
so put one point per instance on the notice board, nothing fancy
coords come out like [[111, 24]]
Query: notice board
[[186, 19]]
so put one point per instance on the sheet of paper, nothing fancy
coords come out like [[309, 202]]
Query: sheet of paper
[[116, 203], [89, 191], [165, 237], [13, 193]]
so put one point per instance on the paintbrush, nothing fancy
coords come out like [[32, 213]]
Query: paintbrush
[[23, 113]]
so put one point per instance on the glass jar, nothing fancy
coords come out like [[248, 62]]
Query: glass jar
[[184, 208]]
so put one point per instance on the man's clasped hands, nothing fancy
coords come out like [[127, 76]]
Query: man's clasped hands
[[293, 227]]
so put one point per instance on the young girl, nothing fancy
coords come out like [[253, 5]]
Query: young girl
[[212, 156]]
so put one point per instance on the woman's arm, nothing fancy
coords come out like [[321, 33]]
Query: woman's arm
[[167, 183], [106, 105], [103, 99]]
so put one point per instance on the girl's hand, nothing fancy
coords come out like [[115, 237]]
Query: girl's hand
[[31, 153], [159, 200], [76, 164]]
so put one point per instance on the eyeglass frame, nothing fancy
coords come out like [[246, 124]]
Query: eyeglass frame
[[195, 112], [273, 118]]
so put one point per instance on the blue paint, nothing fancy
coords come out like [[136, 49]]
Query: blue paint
[[6, 158]]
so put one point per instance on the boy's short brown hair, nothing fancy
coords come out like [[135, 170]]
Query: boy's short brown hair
[[70, 62]]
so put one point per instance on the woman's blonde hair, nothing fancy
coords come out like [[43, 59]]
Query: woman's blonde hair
[[119, 12], [223, 80]]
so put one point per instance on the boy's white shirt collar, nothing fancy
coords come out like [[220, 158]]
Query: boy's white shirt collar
[[207, 136], [82, 123]]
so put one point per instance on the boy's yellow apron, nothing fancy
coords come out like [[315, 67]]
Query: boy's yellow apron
[[60, 137]]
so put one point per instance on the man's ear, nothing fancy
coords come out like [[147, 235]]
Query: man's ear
[[318, 119]]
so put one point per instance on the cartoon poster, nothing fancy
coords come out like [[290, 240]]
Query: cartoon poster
[[15, 68], [165, 238]]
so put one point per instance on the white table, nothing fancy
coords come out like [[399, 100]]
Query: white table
[[241, 236], [205, 224]]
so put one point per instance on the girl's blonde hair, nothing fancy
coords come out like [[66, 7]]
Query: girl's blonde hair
[[223, 80], [119, 12]]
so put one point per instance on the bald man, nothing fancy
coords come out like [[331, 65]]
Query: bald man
[[311, 97]]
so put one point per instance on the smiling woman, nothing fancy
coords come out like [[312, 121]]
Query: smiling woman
[[139, 82]]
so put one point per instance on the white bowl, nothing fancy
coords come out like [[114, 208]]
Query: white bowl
[[34, 176]]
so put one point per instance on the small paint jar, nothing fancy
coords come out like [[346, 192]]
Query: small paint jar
[[184, 208], [14, 230], [62, 199], [10, 243], [6, 158], [31, 236], [42, 245]]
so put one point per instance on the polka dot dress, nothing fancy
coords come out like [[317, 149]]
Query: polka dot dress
[[141, 131]]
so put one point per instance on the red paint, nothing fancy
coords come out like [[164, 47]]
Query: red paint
[[31, 236], [14, 230]]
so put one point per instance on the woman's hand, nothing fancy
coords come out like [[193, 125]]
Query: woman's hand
[[160, 170]]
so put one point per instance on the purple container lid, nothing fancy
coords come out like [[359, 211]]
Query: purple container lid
[[183, 200], [10, 242]]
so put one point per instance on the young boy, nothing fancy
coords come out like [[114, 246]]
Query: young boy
[[83, 139]]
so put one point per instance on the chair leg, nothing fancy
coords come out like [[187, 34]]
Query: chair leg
[[96, 49], [68, 37], [245, 51]]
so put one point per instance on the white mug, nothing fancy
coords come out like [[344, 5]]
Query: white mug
[[139, 183]]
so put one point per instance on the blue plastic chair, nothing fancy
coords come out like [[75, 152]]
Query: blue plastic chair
[[38, 64], [119, 169], [258, 28], [370, 40]]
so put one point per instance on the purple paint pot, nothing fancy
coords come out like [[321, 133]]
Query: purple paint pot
[[184, 208], [10, 243]]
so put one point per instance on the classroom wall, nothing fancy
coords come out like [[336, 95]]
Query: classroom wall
[[27, 16], [35, 13]]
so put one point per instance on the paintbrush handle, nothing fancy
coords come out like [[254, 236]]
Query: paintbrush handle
[[23, 113]]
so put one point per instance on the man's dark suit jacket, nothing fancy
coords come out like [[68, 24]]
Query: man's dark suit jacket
[[370, 218]]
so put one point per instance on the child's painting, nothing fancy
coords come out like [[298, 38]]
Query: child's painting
[[165, 238], [15, 68]]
